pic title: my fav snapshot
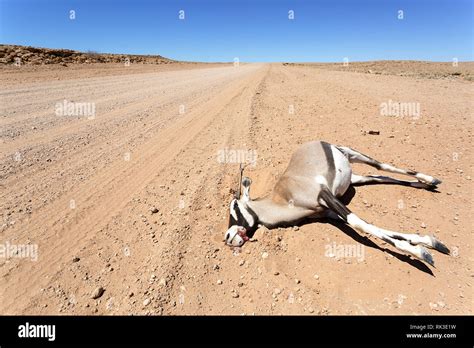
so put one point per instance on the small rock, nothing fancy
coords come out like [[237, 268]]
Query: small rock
[[76, 259], [154, 210], [264, 255], [311, 310], [242, 262], [316, 276], [276, 273], [219, 282], [98, 292], [423, 225], [146, 302], [297, 281], [235, 294], [296, 228]]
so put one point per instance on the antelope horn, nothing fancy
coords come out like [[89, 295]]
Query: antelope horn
[[241, 168]]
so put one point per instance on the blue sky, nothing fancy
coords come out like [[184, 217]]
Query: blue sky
[[252, 30]]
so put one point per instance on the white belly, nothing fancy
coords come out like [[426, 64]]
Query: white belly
[[343, 173]]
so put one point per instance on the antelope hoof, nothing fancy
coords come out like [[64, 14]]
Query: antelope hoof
[[426, 256], [437, 245], [428, 180]]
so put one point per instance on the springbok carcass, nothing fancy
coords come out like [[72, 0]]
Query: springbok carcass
[[319, 173]]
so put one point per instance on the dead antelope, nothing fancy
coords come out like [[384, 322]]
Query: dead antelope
[[319, 173]]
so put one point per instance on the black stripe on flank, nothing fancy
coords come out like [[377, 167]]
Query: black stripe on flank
[[330, 161]]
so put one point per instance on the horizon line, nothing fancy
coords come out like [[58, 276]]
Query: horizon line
[[241, 61]]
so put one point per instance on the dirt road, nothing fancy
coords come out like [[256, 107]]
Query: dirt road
[[133, 199]]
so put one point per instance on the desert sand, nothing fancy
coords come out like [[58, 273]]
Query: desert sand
[[134, 200]]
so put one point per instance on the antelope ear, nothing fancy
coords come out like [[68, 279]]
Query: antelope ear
[[246, 182]]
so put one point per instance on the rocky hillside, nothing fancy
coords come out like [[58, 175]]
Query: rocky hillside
[[410, 68], [11, 54]]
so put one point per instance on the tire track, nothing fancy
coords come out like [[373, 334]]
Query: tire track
[[107, 193]]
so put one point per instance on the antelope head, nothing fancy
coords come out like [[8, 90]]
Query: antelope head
[[242, 219]]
